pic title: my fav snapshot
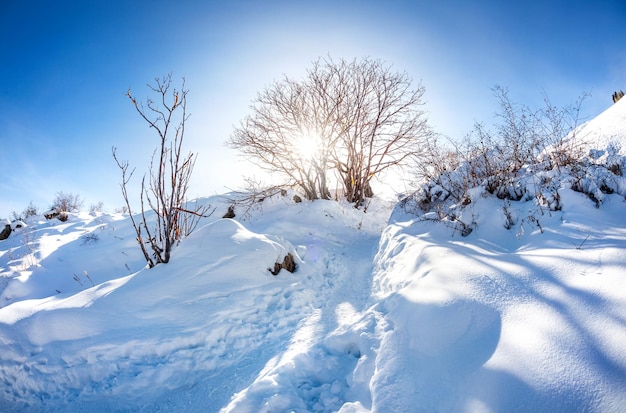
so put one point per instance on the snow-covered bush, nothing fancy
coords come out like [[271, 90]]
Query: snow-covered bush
[[615, 162], [600, 174], [448, 197], [30, 211], [529, 156]]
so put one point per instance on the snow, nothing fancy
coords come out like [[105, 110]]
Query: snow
[[387, 310], [605, 128]]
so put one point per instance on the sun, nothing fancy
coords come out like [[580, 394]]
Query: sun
[[307, 145]]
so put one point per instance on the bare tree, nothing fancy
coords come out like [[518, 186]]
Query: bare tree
[[355, 119], [283, 135], [383, 125], [165, 191]]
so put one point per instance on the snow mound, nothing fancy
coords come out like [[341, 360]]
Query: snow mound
[[607, 128], [196, 330], [133, 337], [490, 322]]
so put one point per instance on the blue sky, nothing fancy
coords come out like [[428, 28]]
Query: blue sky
[[66, 66]]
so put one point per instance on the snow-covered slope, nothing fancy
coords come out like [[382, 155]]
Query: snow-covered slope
[[184, 336], [494, 323], [388, 311], [608, 127]]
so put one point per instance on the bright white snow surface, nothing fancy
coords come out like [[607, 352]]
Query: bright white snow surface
[[387, 311]]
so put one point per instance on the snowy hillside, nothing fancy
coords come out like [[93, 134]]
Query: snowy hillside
[[609, 126], [391, 310]]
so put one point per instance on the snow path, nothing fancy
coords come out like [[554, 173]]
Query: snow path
[[311, 374]]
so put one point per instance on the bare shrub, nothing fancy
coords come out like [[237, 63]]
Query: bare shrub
[[252, 197], [164, 189], [596, 178], [26, 255], [95, 208], [30, 211], [510, 160], [66, 202], [509, 218], [122, 210], [89, 238]]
